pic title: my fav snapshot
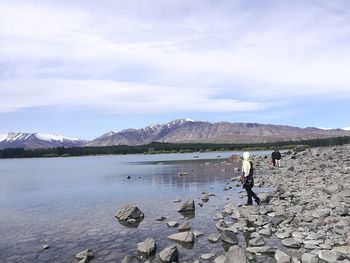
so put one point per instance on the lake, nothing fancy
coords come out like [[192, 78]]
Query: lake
[[70, 203]]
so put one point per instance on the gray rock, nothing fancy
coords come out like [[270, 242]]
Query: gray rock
[[258, 241], [309, 258], [214, 238], [169, 254], [219, 259], [291, 242], [185, 226], [162, 218], [229, 237], [147, 247], [187, 206], [263, 250], [328, 255], [218, 216], [46, 246], [282, 257], [131, 259], [205, 197], [265, 232], [86, 254], [197, 233], [172, 224], [264, 197], [128, 212], [185, 237], [207, 256], [235, 255]]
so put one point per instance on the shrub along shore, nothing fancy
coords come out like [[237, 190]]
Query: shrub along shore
[[158, 147]]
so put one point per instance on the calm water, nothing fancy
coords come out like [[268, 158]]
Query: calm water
[[70, 203]]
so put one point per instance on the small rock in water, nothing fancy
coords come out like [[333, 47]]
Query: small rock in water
[[187, 206], [214, 238], [147, 247], [162, 218], [185, 226], [46, 246], [207, 256], [172, 223], [128, 212], [177, 200], [185, 237], [128, 177], [85, 254], [218, 216], [197, 233], [169, 254], [131, 259], [205, 197]]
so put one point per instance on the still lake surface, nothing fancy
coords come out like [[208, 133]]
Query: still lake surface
[[70, 203]]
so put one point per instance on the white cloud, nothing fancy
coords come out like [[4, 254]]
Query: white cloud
[[347, 128], [113, 96], [157, 57]]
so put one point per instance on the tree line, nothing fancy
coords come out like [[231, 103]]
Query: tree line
[[158, 147]]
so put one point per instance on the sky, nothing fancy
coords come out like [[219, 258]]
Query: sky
[[82, 68]]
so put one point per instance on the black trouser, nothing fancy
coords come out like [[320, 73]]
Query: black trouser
[[251, 194], [274, 161]]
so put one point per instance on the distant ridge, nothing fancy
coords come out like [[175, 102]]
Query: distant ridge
[[190, 131], [177, 131], [37, 140]]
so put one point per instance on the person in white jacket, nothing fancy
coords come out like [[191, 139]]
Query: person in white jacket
[[248, 179]]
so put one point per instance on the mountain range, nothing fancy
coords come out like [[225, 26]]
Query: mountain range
[[37, 140], [178, 131]]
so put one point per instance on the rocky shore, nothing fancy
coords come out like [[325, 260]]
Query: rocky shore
[[305, 217]]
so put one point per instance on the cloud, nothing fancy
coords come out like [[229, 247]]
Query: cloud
[[113, 96], [157, 56]]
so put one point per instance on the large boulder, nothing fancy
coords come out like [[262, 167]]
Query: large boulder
[[129, 212], [147, 247], [235, 255], [185, 237], [187, 206], [169, 254]]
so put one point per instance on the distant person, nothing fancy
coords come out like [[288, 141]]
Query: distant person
[[276, 158], [247, 179]]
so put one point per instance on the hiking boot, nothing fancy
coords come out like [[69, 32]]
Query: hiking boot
[[258, 201]]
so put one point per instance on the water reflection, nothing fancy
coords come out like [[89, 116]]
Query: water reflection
[[70, 203]]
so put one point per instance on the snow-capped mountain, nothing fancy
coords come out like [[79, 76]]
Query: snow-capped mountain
[[37, 140], [190, 131]]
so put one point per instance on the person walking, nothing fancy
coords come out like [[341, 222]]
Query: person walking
[[247, 179], [276, 158]]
